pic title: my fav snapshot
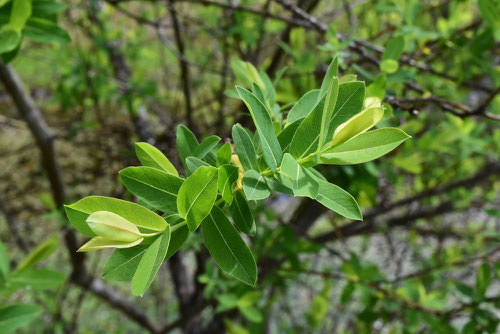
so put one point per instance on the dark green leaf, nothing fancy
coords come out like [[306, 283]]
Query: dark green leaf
[[242, 215], [14, 316], [255, 186], [228, 174], [244, 148], [186, 143]]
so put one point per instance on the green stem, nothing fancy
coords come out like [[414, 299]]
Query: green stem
[[177, 226]]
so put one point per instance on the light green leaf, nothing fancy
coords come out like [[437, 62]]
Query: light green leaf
[[326, 116], [14, 316], [40, 253], [255, 186], [21, 11], [97, 243], [285, 137], [193, 164], [332, 71], [227, 247], [349, 102], [197, 196], [36, 279], [186, 143], [244, 148], [242, 215], [138, 215], [251, 313], [113, 227], [155, 187], [303, 182], [338, 200], [9, 40], [357, 124], [123, 263], [483, 279], [394, 49], [224, 155], [149, 264], [150, 156], [270, 146], [206, 146], [364, 147], [389, 66], [228, 174], [303, 107], [246, 73], [45, 31], [4, 262]]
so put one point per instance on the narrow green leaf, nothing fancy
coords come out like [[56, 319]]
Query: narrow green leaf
[[364, 147], [123, 263], [186, 143], [270, 146], [36, 279], [206, 146], [227, 247], [338, 200], [255, 186], [21, 11], [483, 279], [285, 137], [4, 262], [155, 187], [242, 215], [332, 71], [150, 156], [45, 31], [394, 49], [244, 148], [138, 215], [228, 174], [197, 196], [303, 106], [97, 243], [150, 263], [14, 316], [357, 124], [326, 116], [224, 155], [192, 164], [40, 253], [303, 182], [349, 102], [111, 226]]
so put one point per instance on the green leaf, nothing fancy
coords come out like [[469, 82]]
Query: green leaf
[[244, 148], [150, 156], [123, 263], [394, 49], [193, 164], [303, 182], [45, 31], [246, 73], [271, 149], [149, 264], [155, 187], [389, 66], [286, 135], [251, 313], [197, 196], [228, 174], [490, 13], [40, 253], [186, 143], [349, 102], [138, 215], [332, 71], [179, 234], [111, 226], [338, 200], [303, 107], [364, 147], [206, 146], [97, 243], [224, 155], [4, 262], [9, 40], [483, 279], [227, 247], [357, 124], [21, 11], [326, 116], [36, 279], [14, 316], [255, 186], [242, 215]]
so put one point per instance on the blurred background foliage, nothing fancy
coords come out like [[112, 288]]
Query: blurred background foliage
[[104, 74]]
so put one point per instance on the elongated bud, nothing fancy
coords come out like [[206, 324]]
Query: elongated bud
[[102, 243], [111, 226]]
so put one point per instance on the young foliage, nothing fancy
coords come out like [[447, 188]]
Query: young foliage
[[326, 126]]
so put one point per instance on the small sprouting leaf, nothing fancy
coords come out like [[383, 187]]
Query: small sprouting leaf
[[224, 155], [14, 316], [197, 196], [303, 106], [271, 148], [136, 214], [389, 66], [349, 102], [111, 226], [186, 143], [357, 124], [36, 279], [123, 263], [150, 156], [155, 187], [326, 115], [242, 215], [227, 247], [364, 147], [192, 164], [244, 148], [206, 146], [228, 174], [150, 262], [338, 200], [255, 186], [97, 243], [394, 49], [327, 80], [303, 182], [40, 253]]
